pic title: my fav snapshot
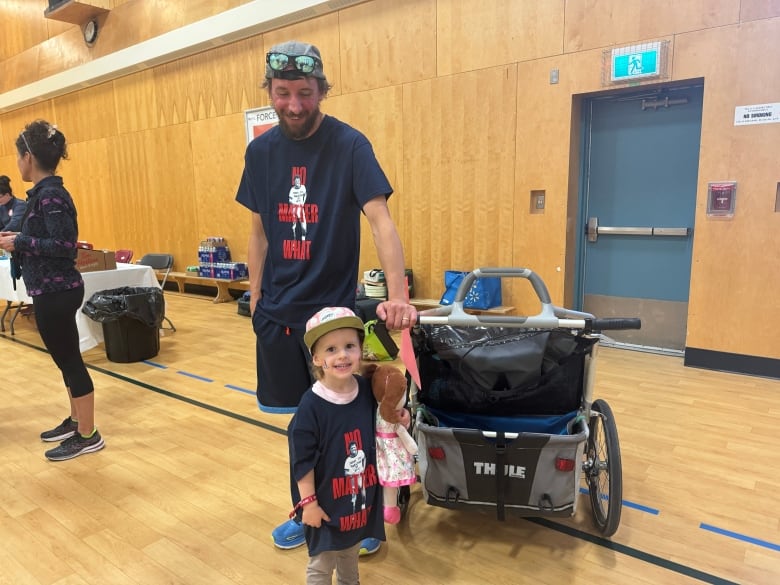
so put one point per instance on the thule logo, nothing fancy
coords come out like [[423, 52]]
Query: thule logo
[[484, 468]]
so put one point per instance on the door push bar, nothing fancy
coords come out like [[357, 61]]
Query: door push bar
[[594, 230]]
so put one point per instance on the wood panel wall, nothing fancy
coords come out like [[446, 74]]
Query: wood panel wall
[[455, 96]]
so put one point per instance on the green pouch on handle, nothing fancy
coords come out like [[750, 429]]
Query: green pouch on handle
[[378, 346]]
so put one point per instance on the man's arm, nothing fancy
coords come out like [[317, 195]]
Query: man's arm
[[396, 311], [258, 246]]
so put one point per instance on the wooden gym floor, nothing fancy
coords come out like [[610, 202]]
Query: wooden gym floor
[[194, 477]]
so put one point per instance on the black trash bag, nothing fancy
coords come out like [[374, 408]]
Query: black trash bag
[[144, 304]]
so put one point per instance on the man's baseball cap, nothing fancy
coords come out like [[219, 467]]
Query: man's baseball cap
[[293, 60], [327, 320]]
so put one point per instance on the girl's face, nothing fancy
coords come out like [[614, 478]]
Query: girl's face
[[338, 353]]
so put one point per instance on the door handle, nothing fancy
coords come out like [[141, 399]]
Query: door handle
[[667, 231], [594, 230]]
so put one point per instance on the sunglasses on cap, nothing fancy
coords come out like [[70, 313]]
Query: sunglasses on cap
[[280, 61]]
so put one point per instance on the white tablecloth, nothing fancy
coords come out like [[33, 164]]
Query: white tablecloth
[[90, 332]]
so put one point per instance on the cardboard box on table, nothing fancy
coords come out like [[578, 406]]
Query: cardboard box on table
[[93, 260]]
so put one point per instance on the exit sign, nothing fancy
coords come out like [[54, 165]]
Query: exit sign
[[636, 62]]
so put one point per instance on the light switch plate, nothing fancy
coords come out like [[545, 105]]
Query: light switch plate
[[538, 201]]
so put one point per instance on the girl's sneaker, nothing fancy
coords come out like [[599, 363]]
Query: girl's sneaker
[[288, 535]]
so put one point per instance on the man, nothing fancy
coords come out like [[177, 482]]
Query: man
[[290, 278]]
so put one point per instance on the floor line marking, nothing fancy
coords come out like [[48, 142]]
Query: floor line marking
[[195, 376], [738, 536]]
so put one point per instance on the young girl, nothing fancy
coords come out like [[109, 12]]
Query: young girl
[[335, 488]]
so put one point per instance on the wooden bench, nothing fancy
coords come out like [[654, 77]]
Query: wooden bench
[[422, 304], [223, 284]]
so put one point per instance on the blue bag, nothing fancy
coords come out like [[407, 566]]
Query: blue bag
[[483, 294]]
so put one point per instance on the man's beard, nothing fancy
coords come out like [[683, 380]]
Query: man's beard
[[301, 132]]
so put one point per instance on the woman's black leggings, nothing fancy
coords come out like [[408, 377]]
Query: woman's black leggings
[[55, 314]]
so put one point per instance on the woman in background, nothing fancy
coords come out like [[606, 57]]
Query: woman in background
[[11, 209], [45, 247]]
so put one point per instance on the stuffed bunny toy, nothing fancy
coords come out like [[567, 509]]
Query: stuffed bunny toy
[[395, 448]]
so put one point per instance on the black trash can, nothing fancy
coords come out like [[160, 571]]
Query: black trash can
[[131, 319]]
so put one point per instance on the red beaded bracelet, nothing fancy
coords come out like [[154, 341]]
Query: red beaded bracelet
[[302, 503]]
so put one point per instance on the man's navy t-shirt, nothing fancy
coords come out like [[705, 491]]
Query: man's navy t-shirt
[[312, 261]]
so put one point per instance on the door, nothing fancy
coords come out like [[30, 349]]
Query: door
[[640, 173]]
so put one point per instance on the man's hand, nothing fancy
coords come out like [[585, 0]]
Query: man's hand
[[397, 314]]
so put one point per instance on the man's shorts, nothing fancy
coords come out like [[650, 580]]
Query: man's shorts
[[283, 366]]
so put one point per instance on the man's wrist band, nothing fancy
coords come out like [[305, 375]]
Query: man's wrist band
[[302, 503]]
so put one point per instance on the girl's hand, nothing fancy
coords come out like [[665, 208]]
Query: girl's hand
[[313, 515], [404, 418]]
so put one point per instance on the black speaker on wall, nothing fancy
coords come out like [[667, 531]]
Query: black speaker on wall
[[56, 3]]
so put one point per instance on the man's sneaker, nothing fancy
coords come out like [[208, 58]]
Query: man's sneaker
[[62, 431], [75, 446], [288, 535], [369, 546]]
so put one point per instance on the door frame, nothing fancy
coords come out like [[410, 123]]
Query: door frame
[[582, 203]]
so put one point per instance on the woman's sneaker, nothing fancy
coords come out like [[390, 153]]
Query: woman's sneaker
[[75, 446], [67, 428]]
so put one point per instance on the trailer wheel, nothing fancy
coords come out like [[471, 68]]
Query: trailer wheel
[[603, 469]]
